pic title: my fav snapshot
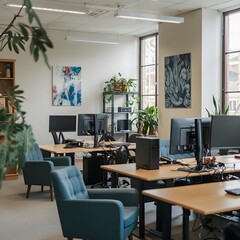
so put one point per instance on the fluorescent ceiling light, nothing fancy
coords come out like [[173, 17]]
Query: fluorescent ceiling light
[[91, 39], [148, 17], [50, 6]]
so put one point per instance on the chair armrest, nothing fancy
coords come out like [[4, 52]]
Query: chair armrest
[[37, 172], [80, 215], [59, 161], [128, 196]]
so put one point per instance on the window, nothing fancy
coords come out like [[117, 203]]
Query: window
[[231, 85], [148, 70]]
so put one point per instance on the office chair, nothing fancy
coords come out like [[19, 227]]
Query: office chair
[[231, 231], [106, 137], [132, 153], [120, 156], [36, 170], [93, 214]]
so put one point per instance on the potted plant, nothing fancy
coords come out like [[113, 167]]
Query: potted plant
[[128, 85], [120, 84], [114, 84], [147, 121]]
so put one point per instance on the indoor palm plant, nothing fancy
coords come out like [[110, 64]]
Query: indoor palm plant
[[16, 135]]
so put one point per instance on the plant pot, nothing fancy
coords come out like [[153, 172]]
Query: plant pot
[[124, 88], [11, 174], [117, 87]]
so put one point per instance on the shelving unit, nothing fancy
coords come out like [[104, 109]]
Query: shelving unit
[[7, 80], [112, 101]]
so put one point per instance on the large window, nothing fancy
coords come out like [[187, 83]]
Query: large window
[[148, 70], [232, 61]]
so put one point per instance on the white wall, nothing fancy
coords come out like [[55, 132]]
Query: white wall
[[99, 63]]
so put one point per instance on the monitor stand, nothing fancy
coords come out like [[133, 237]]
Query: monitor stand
[[58, 138]]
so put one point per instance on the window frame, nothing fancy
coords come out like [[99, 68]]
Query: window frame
[[225, 92], [141, 66]]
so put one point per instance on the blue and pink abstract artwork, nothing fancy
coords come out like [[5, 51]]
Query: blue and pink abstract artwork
[[66, 88]]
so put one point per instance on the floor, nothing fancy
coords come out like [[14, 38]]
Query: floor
[[36, 218]]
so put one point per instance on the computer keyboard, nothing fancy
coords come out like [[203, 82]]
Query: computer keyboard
[[234, 191]]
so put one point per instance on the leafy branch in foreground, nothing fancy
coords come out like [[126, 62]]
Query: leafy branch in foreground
[[16, 137], [15, 37], [17, 134]]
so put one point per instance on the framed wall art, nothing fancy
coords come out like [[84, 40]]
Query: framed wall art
[[66, 86], [178, 81]]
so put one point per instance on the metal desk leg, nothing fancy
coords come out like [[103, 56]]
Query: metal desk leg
[[113, 180], [185, 230], [159, 216], [141, 210], [165, 219]]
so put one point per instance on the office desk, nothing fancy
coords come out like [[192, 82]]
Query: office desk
[[166, 173], [60, 149], [205, 199]]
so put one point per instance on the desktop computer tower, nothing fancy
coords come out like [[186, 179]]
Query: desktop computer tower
[[92, 173], [147, 152]]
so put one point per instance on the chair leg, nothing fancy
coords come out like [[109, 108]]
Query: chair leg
[[42, 188], [130, 237], [51, 193], [28, 191]]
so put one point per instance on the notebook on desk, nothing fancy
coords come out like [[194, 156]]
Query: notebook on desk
[[234, 191]]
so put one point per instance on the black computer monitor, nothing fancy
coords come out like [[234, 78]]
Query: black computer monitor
[[59, 124], [62, 123], [92, 124], [183, 135], [225, 132]]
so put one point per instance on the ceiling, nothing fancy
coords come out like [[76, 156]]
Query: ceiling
[[101, 18]]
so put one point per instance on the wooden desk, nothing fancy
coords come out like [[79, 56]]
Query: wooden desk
[[60, 149], [205, 199], [165, 172]]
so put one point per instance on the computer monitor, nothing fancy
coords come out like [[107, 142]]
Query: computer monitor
[[183, 135], [225, 132], [92, 124], [62, 123], [59, 124]]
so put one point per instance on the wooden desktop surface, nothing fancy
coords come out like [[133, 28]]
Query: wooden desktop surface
[[60, 148], [170, 171], [209, 198]]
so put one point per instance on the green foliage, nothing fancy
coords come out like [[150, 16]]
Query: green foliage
[[147, 120], [18, 135], [22, 33], [217, 109], [130, 84]]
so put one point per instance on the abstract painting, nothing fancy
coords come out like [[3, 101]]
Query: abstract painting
[[178, 81], [66, 87]]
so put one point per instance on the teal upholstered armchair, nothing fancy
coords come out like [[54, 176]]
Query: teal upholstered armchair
[[37, 169], [93, 214]]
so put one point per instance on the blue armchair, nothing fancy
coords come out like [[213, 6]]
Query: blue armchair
[[36, 170], [93, 214]]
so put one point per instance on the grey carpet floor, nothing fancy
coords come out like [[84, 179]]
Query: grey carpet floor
[[36, 218]]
